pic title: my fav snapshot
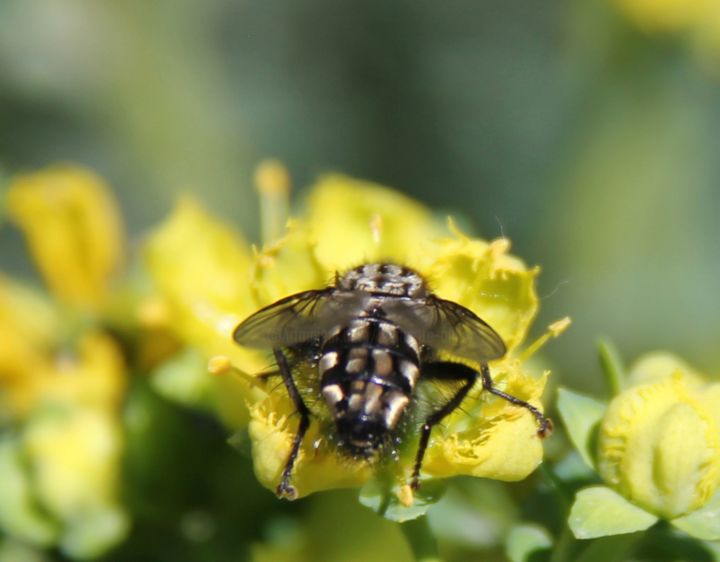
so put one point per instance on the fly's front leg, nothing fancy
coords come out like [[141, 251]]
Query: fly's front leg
[[545, 425], [447, 371], [284, 488]]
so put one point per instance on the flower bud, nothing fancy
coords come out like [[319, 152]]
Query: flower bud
[[659, 444]]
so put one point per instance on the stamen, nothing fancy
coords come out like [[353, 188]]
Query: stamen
[[376, 226], [553, 331], [221, 366], [272, 182]]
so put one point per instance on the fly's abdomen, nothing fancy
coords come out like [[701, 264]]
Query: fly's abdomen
[[368, 371]]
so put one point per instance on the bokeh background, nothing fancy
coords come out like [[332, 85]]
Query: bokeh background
[[586, 132]]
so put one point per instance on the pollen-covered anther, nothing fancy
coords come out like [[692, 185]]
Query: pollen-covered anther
[[405, 495], [219, 365]]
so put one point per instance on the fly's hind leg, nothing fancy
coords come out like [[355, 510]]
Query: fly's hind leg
[[284, 488], [442, 371], [545, 425]]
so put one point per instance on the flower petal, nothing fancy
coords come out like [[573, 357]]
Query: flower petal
[[354, 222], [202, 270], [482, 276], [318, 467], [73, 229], [491, 438]]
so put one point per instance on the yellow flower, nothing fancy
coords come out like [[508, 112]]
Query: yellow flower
[[72, 228], [198, 265], [62, 380], [659, 441]]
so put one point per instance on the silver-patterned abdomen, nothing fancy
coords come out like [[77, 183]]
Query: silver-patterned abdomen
[[369, 370]]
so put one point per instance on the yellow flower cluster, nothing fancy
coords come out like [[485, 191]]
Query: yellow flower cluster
[[62, 380], [208, 280]]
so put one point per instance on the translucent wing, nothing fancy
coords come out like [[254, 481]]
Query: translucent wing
[[299, 318], [447, 326]]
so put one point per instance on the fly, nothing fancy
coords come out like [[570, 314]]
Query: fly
[[369, 340]]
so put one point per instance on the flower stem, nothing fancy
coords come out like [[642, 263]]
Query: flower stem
[[420, 540], [565, 547]]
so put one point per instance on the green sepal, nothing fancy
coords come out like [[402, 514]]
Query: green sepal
[[581, 416], [703, 523], [599, 511]]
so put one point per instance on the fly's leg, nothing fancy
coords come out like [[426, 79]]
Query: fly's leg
[[545, 425], [284, 488], [447, 371]]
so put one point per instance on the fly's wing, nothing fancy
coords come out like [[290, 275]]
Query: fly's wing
[[299, 318], [447, 326]]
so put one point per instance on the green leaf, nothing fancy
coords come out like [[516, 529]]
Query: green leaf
[[581, 416], [599, 511], [382, 498], [525, 540], [704, 523], [612, 367]]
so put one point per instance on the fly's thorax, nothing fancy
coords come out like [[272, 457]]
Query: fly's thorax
[[385, 279], [368, 373]]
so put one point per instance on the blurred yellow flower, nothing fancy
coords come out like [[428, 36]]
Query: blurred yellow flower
[[70, 440], [210, 281], [659, 441], [62, 381], [72, 228], [664, 15], [699, 18]]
